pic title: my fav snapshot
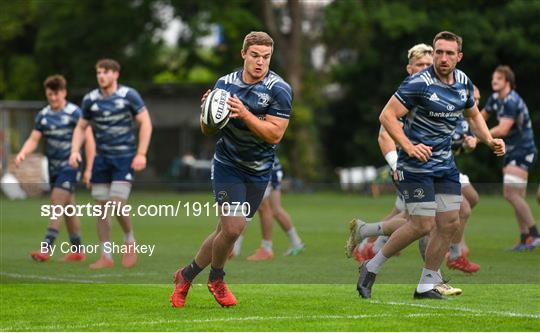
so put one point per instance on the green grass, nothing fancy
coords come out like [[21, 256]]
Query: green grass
[[314, 291]]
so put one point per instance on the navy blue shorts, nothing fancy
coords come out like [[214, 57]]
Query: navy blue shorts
[[66, 179], [422, 187], [235, 187], [109, 169], [522, 159]]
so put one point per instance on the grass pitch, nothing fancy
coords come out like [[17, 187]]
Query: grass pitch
[[314, 291]]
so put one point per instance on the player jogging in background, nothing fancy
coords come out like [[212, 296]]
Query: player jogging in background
[[56, 123], [432, 101], [516, 127], [260, 106], [112, 110], [270, 209], [420, 56]]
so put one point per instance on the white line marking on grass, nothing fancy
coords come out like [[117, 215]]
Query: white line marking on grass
[[237, 319], [46, 278], [453, 308]]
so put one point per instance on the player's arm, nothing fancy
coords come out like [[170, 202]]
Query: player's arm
[[89, 153], [484, 114], [29, 146], [145, 133], [480, 129], [388, 148], [270, 130], [503, 128], [389, 118], [76, 142]]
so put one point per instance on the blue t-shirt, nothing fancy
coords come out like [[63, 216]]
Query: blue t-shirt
[[238, 146], [458, 137], [434, 112], [521, 134], [112, 120], [57, 129]]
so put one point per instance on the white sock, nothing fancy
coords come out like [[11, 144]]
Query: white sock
[[379, 243], [428, 280], [108, 246], [238, 245], [375, 264], [455, 251], [370, 229], [267, 245], [128, 237], [293, 237]]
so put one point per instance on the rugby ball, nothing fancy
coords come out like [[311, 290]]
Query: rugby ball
[[215, 110]]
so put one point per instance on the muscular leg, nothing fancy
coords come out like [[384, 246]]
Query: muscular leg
[[222, 244], [447, 224], [515, 195]]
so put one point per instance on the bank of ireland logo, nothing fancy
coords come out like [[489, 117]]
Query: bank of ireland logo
[[419, 193], [463, 95], [450, 107]]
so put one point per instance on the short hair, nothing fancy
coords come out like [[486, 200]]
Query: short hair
[[257, 38], [419, 51], [508, 74], [450, 36], [108, 64], [55, 83]]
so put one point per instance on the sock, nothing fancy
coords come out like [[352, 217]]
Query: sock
[[238, 245], [103, 253], [216, 274], [375, 264], [75, 239], [294, 239], [191, 271], [128, 237], [523, 238], [533, 231], [379, 243], [267, 245], [428, 280], [50, 236], [370, 229], [455, 251]]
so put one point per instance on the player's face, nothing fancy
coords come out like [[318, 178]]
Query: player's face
[[418, 64], [56, 99], [256, 62], [446, 55], [498, 82], [106, 77]]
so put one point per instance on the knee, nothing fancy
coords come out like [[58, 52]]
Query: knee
[[509, 195], [424, 226], [232, 230], [464, 211], [450, 226], [474, 199]]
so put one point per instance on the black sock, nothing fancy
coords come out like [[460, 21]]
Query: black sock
[[75, 240], [216, 274], [523, 238], [533, 231], [50, 236], [191, 271]]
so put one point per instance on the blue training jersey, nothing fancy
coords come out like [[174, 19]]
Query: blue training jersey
[[238, 146], [112, 120], [57, 129], [521, 134], [434, 112], [458, 137]]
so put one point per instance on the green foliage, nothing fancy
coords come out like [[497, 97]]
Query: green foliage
[[45, 37]]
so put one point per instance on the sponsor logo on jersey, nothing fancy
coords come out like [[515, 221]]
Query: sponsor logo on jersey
[[434, 98], [450, 107], [94, 107]]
